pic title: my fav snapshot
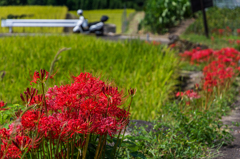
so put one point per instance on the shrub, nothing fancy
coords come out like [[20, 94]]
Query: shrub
[[162, 14]]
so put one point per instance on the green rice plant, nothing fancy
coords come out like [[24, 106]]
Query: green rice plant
[[34, 12], [150, 69], [115, 16]]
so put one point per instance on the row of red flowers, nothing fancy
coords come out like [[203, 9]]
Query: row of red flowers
[[226, 31], [220, 68]]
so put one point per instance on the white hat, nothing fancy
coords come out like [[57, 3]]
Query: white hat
[[79, 12]]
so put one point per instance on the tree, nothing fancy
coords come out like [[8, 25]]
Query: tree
[[72, 5], [9, 2], [37, 2]]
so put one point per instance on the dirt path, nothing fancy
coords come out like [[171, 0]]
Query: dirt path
[[181, 28], [133, 25], [232, 151], [133, 31]]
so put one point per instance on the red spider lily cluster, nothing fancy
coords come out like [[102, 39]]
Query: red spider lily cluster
[[232, 41], [197, 56], [86, 106], [238, 32], [220, 31], [190, 94], [219, 72], [225, 31], [221, 67], [155, 43], [2, 104]]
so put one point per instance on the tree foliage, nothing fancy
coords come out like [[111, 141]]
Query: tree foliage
[[80, 4], [162, 14]]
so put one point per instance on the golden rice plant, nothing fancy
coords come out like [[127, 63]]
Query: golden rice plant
[[34, 12]]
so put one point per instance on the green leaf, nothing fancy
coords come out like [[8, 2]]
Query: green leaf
[[164, 12], [137, 154]]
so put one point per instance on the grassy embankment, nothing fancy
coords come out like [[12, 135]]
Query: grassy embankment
[[223, 27], [214, 42], [34, 12], [149, 69], [115, 16]]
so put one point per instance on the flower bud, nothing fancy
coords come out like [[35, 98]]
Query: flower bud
[[132, 91], [22, 98]]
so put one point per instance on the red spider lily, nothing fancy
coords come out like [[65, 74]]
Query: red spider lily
[[22, 142], [222, 65], [198, 56], [132, 92], [220, 31], [172, 45], [30, 119], [231, 41], [212, 38], [36, 76], [238, 42], [29, 95], [10, 151], [238, 31], [42, 76], [4, 133], [52, 127], [2, 104], [156, 43], [180, 94], [229, 30], [189, 94], [86, 106]]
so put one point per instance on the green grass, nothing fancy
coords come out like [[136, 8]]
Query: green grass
[[218, 18], [149, 69], [217, 43], [37, 12], [115, 16]]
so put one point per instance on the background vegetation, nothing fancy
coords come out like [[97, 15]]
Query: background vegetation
[[34, 12], [81, 4], [130, 64], [162, 14], [218, 18]]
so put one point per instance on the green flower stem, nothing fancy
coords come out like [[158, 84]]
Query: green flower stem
[[72, 146], [103, 143], [68, 150], [98, 147], [86, 147]]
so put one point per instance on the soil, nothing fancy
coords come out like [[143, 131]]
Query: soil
[[232, 151]]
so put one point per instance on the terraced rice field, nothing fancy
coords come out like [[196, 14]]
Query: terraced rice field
[[34, 12], [128, 64]]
